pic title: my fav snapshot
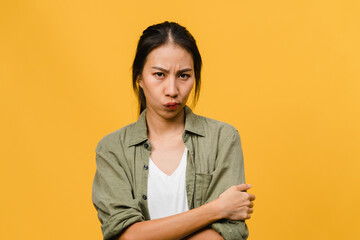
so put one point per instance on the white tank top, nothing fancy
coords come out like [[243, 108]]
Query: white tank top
[[167, 194]]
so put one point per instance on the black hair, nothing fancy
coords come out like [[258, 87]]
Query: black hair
[[155, 36]]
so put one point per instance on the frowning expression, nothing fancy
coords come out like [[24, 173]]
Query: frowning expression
[[167, 80]]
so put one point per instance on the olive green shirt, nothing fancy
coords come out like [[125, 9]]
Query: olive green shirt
[[214, 163]]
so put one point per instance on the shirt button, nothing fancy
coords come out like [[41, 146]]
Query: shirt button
[[146, 145], [146, 167], [144, 197]]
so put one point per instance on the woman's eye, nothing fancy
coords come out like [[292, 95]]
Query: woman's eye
[[159, 74], [184, 76]]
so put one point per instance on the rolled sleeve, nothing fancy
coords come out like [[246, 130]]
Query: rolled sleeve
[[112, 195], [229, 171], [231, 230]]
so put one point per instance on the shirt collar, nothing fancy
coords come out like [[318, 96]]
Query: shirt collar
[[192, 124]]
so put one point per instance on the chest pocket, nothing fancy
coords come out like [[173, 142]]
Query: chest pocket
[[202, 183]]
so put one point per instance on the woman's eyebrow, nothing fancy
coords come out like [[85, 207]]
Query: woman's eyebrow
[[161, 69], [184, 70], [167, 71]]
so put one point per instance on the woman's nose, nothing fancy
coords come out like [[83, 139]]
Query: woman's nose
[[171, 87]]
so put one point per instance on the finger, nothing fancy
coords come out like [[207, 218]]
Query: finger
[[243, 187], [251, 197], [251, 205], [250, 210]]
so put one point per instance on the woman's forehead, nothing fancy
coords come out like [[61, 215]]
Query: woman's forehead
[[169, 55]]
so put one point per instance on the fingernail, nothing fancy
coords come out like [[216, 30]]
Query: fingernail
[[249, 185]]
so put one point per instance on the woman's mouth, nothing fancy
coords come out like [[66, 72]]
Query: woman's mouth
[[172, 105]]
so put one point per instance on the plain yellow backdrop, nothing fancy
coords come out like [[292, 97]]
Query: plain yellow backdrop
[[284, 73]]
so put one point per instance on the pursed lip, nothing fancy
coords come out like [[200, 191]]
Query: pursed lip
[[172, 105]]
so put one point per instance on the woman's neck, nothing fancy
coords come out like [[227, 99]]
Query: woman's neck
[[159, 127]]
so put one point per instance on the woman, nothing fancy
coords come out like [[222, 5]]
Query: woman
[[172, 174]]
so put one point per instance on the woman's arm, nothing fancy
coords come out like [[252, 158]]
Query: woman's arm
[[234, 204], [229, 171], [205, 233]]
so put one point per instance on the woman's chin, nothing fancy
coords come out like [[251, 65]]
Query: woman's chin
[[172, 114]]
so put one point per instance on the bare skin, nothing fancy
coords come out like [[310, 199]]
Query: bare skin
[[205, 233], [168, 77], [166, 148]]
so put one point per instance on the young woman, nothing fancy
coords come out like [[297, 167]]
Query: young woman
[[172, 174]]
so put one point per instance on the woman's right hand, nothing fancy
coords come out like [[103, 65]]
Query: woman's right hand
[[235, 203]]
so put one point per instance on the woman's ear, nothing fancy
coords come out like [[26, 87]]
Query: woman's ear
[[139, 81]]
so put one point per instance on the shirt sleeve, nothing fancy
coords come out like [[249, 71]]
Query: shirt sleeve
[[229, 171], [112, 195]]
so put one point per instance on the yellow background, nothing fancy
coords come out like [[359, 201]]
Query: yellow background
[[284, 73]]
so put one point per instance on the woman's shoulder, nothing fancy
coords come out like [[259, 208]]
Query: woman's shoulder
[[118, 137], [213, 126]]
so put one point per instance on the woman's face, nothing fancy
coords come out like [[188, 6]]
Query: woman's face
[[167, 79]]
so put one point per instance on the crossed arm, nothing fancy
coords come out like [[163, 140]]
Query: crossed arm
[[234, 204]]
